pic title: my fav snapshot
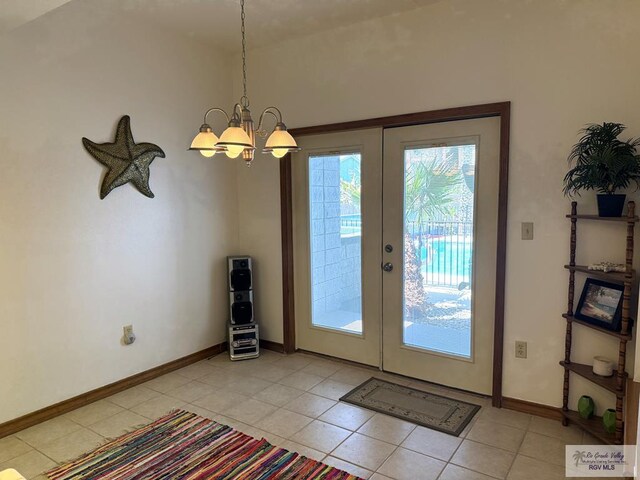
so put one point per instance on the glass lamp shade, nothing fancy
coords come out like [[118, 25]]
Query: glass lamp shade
[[205, 143], [234, 140], [279, 143]]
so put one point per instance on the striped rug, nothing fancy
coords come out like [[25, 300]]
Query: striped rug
[[185, 446]]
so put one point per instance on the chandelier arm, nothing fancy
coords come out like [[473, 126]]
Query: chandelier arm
[[215, 109], [237, 111], [270, 111]]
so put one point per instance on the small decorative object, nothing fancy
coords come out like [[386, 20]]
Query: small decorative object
[[605, 164], [600, 304], [586, 407], [126, 160], [609, 420], [607, 267], [602, 366]]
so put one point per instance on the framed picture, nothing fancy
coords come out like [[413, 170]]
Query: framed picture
[[600, 304]]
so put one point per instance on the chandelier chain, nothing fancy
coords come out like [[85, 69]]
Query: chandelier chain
[[245, 99]]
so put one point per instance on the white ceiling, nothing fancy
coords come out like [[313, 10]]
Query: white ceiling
[[218, 21], [14, 13]]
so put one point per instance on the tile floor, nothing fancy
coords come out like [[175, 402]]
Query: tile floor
[[292, 402]]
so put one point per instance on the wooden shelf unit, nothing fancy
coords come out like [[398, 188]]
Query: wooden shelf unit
[[616, 383]]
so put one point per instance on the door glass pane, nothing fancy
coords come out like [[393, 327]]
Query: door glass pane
[[336, 241], [438, 247]]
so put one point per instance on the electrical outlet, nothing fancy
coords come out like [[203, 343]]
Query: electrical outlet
[[521, 349], [527, 230], [129, 337]]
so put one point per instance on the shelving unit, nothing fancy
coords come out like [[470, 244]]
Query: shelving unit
[[616, 383]]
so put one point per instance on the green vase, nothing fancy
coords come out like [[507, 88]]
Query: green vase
[[609, 420], [586, 407]]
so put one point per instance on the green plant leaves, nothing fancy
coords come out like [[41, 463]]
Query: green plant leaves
[[602, 162]]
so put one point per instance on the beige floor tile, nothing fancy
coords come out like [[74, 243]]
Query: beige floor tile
[[322, 368], [454, 472], [133, 396], [554, 428], [271, 372], [220, 401], [293, 362], [303, 450], [386, 428], [541, 447], [321, 436], [197, 370], [202, 412], [346, 416], [12, 447], [45, 432], [94, 412], [71, 446], [283, 423], [348, 467], [158, 406], [483, 459], [278, 395], [364, 451], [119, 424], [525, 468], [506, 417], [301, 380], [30, 464], [310, 405], [250, 411], [248, 385], [497, 435], [220, 377], [378, 476], [166, 382], [430, 442], [272, 438], [331, 389], [353, 376], [408, 465], [192, 391]]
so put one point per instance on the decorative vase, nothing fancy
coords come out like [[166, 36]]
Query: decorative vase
[[586, 407], [609, 420], [611, 204]]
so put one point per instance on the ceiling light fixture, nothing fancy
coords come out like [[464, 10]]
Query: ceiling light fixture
[[240, 136]]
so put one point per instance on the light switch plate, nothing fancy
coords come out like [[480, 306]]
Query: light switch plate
[[527, 230]]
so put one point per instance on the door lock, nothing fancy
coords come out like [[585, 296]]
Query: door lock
[[387, 267], [388, 248]]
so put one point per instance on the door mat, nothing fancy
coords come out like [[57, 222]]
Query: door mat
[[427, 409]]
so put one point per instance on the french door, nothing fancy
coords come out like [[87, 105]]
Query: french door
[[337, 224], [395, 239]]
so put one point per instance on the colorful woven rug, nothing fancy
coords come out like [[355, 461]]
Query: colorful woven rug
[[184, 446]]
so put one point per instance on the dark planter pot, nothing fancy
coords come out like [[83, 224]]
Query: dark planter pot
[[611, 205]]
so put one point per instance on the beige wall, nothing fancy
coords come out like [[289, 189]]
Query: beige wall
[[75, 269], [562, 64]]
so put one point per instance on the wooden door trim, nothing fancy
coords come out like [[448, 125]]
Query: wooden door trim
[[501, 110]]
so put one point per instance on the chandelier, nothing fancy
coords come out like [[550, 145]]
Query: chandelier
[[240, 135]]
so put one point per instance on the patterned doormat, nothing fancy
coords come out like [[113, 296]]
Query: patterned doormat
[[427, 409], [185, 446]]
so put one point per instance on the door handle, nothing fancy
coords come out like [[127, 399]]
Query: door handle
[[387, 267]]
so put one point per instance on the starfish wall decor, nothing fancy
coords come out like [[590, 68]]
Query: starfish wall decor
[[126, 160]]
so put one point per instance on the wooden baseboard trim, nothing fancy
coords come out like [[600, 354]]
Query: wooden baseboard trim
[[531, 408], [273, 346], [47, 413]]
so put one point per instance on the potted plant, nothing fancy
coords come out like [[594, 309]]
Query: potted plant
[[605, 164]]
